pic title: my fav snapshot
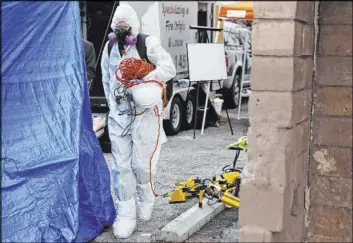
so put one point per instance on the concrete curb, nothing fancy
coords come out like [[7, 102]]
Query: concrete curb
[[181, 228]]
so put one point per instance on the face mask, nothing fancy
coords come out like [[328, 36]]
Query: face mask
[[121, 34]]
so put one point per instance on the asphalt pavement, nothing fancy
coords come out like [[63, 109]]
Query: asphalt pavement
[[183, 157]]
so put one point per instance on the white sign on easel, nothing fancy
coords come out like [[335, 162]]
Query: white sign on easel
[[207, 63]]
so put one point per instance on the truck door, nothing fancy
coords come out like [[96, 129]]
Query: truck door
[[98, 16]]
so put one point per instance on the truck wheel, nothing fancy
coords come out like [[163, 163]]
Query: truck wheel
[[172, 126], [190, 109], [231, 98]]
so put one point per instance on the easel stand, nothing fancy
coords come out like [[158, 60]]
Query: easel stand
[[230, 124], [197, 107], [205, 109], [206, 106], [206, 63]]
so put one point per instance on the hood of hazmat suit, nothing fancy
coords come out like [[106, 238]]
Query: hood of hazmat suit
[[145, 95], [136, 134], [125, 13]]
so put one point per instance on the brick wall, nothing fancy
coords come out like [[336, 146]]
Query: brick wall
[[329, 201], [272, 193], [297, 185]]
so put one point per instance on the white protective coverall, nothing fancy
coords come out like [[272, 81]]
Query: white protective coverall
[[132, 152]]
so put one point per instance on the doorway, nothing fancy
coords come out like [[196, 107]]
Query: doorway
[[98, 16]]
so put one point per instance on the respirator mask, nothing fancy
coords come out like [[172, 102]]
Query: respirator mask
[[123, 36]]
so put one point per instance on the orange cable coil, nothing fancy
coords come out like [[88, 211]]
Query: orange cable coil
[[134, 69]]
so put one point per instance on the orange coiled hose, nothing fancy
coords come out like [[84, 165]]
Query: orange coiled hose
[[134, 69]]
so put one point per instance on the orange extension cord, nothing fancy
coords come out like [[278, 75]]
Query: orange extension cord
[[156, 112], [134, 69]]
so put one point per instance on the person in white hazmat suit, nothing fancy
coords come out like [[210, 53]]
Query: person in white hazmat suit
[[132, 152]]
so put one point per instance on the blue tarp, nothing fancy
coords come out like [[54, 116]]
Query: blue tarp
[[55, 181]]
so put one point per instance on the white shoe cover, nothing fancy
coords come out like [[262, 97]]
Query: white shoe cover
[[125, 222], [145, 201]]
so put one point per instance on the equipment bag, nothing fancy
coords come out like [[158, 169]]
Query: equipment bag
[[142, 51]]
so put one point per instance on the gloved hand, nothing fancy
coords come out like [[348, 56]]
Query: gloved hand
[[118, 98]]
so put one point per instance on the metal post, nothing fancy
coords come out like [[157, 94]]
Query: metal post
[[206, 104], [197, 106], [84, 20], [230, 124], [242, 79]]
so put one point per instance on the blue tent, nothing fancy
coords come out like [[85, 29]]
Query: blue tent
[[55, 181]]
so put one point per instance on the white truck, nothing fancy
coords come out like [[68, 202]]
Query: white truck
[[236, 38], [170, 22]]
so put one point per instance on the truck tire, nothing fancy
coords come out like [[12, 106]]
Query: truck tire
[[231, 96], [190, 109], [173, 125]]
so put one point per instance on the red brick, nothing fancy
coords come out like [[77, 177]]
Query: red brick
[[330, 191], [334, 162], [333, 224], [335, 40], [336, 12], [334, 71], [322, 239], [332, 131], [335, 101]]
